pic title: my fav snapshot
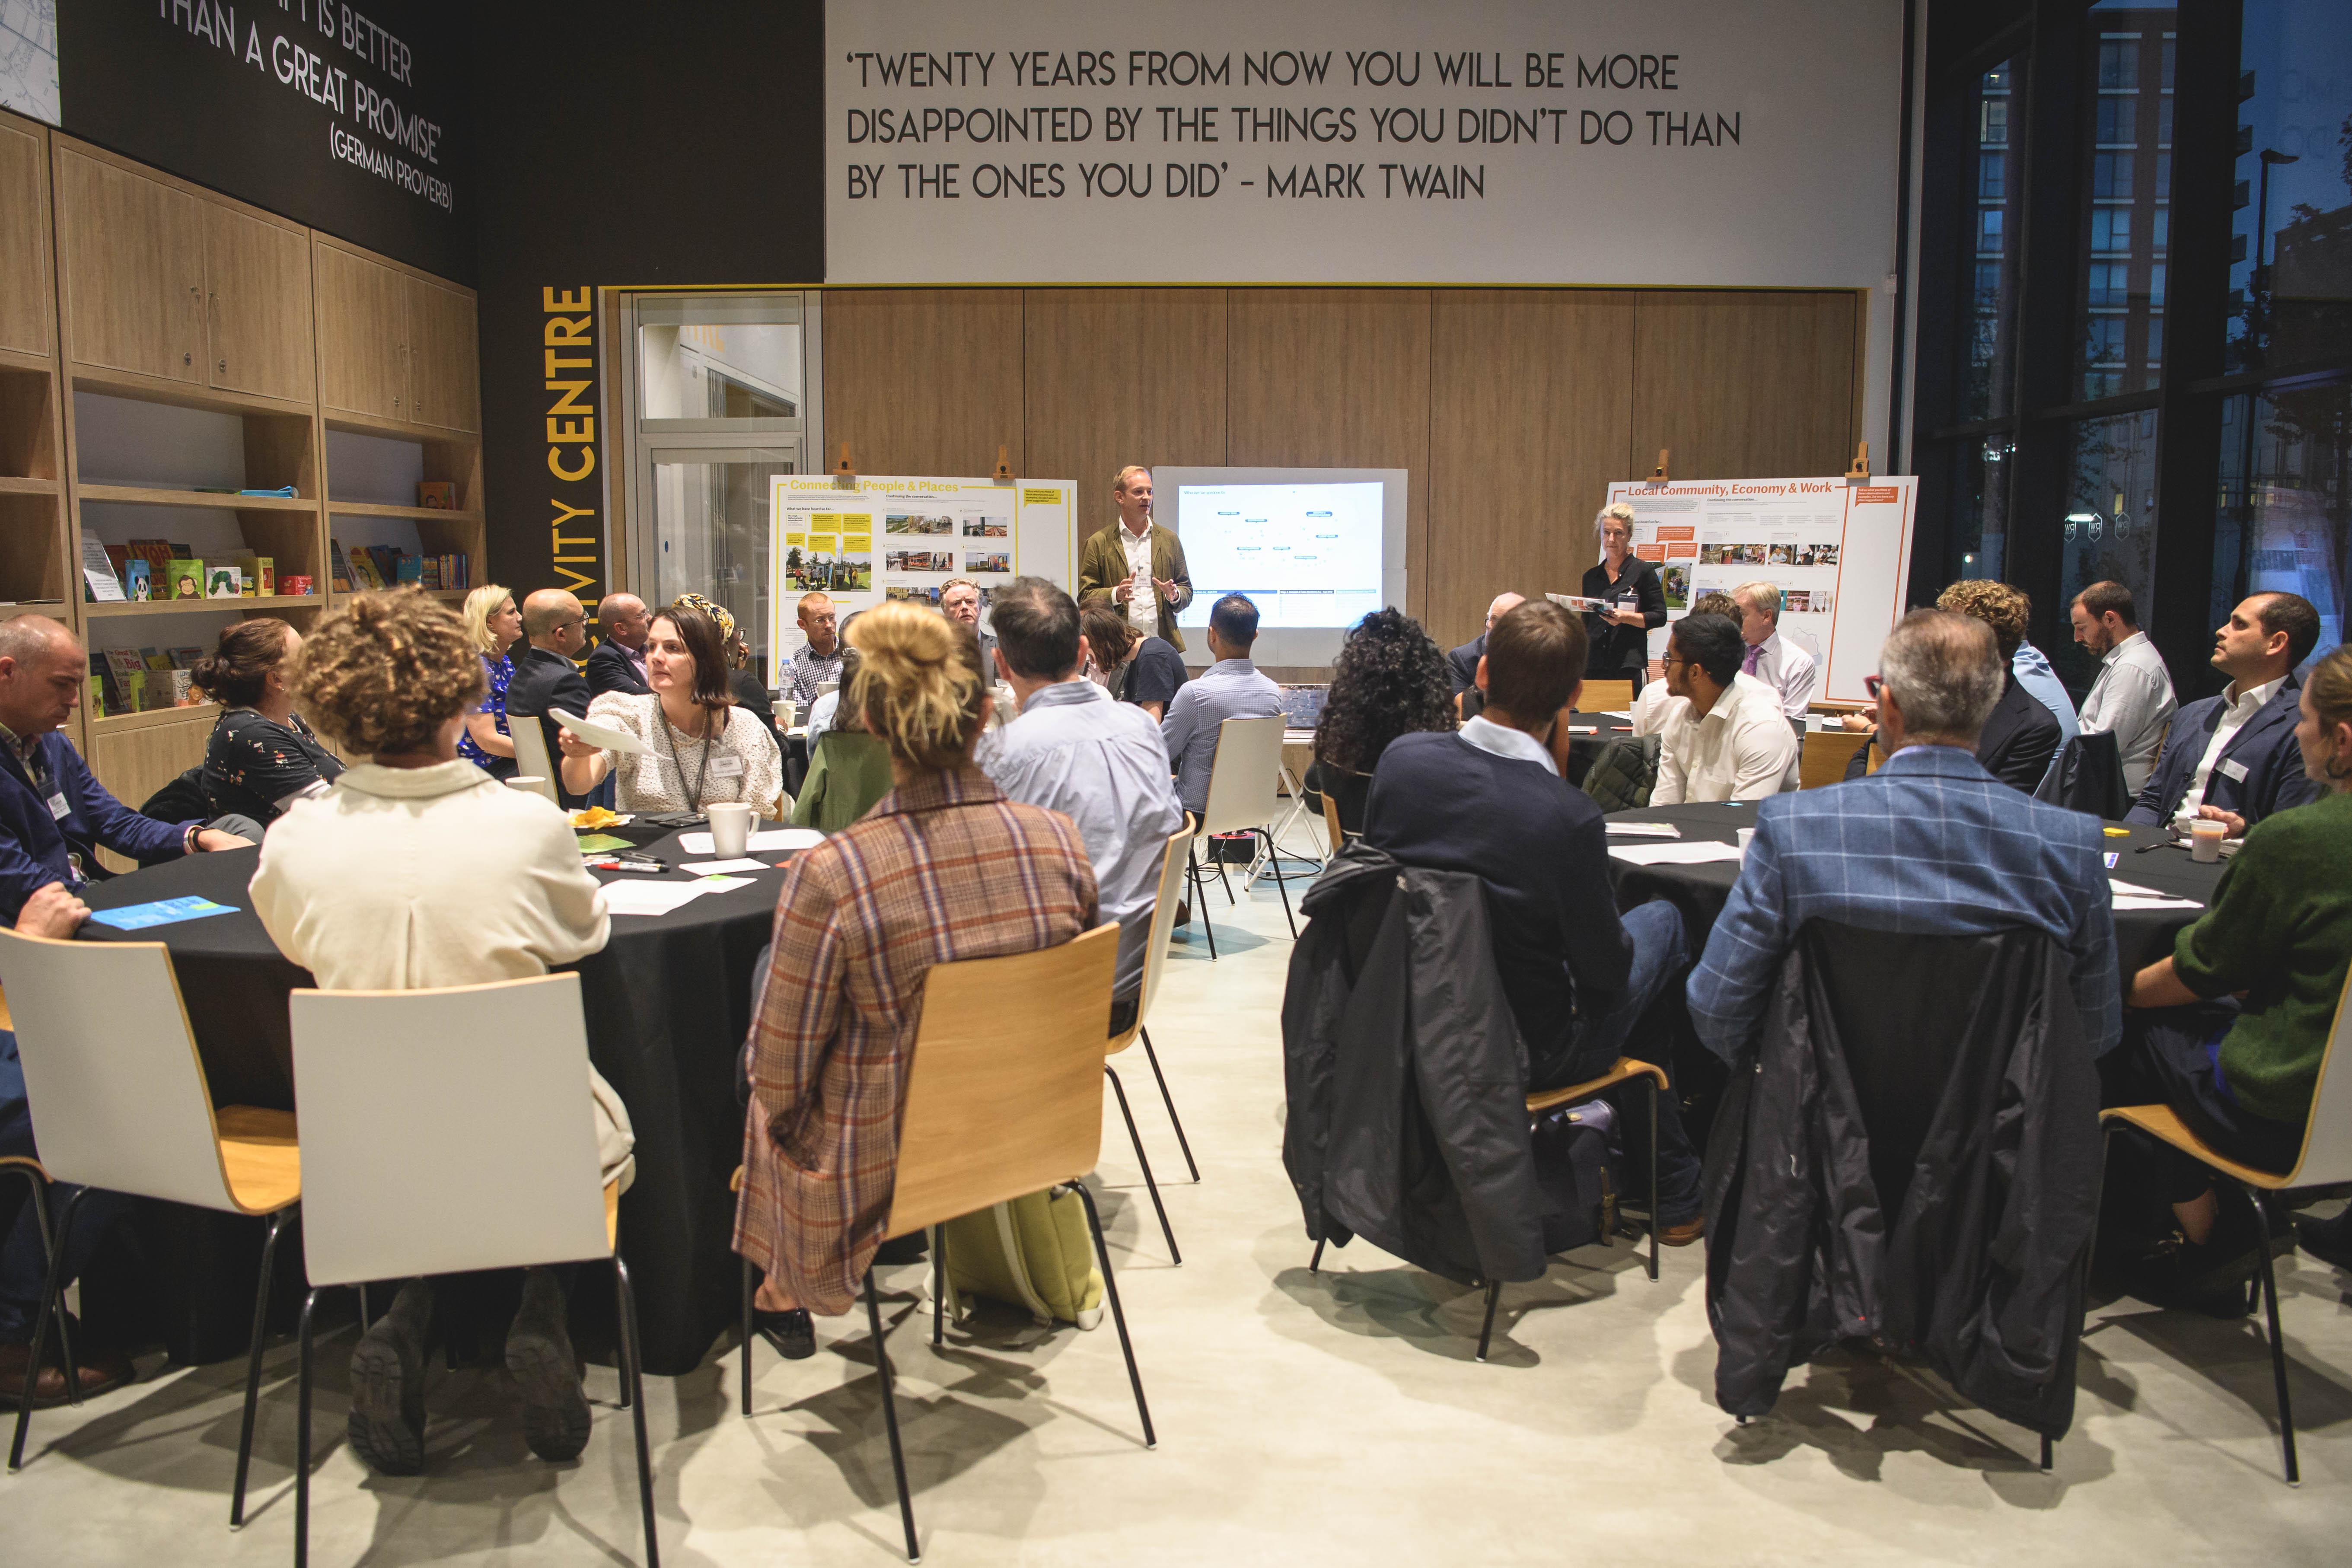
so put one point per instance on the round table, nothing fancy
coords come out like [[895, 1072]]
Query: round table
[[2142, 936], [668, 1002], [1588, 736]]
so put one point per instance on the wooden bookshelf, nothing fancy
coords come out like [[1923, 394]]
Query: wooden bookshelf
[[274, 604], [142, 495]]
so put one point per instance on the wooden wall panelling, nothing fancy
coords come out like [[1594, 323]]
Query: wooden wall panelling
[[132, 254], [923, 381], [1334, 378], [137, 760], [362, 327], [1114, 377], [1744, 383], [257, 305], [26, 294], [1531, 410]]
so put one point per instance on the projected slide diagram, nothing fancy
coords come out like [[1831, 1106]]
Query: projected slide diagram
[[1308, 556]]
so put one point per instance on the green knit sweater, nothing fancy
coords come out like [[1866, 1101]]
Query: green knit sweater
[[2280, 928]]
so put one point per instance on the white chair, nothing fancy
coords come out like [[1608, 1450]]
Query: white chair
[[1155, 960], [531, 759], [410, 1175], [2326, 1161], [119, 1096], [1244, 779]]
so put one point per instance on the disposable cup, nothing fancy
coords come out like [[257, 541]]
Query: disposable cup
[[1747, 837], [2205, 836], [730, 828]]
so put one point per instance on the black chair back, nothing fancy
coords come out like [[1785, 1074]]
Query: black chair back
[[2089, 777]]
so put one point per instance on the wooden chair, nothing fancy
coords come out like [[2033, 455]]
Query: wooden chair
[[1155, 960], [1606, 697], [1001, 1101], [1625, 1070], [513, 1179], [119, 1093], [1244, 785], [1331, 829], [2325, 1160], [1824, 756]]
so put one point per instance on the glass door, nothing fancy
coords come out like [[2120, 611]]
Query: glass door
[[711, 529]]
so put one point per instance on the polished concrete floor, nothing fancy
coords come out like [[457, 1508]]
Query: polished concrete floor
[[1304, 1419]]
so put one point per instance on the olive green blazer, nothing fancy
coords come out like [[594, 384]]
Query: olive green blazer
[[1102, 567]]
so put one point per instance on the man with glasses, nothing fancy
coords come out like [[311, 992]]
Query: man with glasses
[[1730, 740], [545, 676], [817, 661]]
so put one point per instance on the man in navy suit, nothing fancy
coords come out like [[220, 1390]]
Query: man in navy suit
[[1462, 663], [2234, 757], [1931, 844], [618, 663]]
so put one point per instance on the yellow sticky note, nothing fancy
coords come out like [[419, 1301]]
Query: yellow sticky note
[[2117, 832]]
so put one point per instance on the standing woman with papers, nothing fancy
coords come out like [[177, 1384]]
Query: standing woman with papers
[[1637, 602], [682, 745]]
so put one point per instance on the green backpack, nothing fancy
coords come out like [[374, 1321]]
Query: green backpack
[[1034, 1252]]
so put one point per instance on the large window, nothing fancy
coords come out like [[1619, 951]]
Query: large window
[[2126, 208]]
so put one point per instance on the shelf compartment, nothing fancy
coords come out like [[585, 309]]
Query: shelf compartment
[[197, 606], [28, 425], [22, 486], [142, 495], [417, 513], [33, 548]]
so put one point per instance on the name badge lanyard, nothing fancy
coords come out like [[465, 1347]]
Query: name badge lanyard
[[693, 793]]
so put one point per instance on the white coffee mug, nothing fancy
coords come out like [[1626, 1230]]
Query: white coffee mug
[[730, 828]]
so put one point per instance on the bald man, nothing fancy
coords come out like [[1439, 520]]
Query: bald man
[[545, 677], [1462, 663], [619, 662]]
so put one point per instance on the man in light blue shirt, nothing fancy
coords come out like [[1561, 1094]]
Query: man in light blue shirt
[[1229, 688], [2031, 667], [1076, 750]]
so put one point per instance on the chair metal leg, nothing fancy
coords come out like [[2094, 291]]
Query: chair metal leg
[[1655, 1207], [2045, 1453], [1118, 1314], [253, 1368], [747, 1335], [939, 1285], [1494, 1299], [1200, 895], [50, 1287], [1170, 1101], [1316, 1262], [367, 1319], [2278, 1343], [302, 1436], [1224, 880], [35, 1186], [1145, 1161], [621, 1324], [890, 1418], [633, 1379], [1281, 884]]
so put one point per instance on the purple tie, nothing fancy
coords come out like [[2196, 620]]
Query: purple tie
[[1755, 653]]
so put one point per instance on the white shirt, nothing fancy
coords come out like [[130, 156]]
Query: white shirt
[[2238, 707], [1787, 669], [1143, 609], [2132, 700], [405, 878], [1742, 749], [1502, 740], [1653, 706]]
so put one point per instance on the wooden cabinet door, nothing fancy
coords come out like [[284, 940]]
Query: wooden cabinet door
[[133, 254], [25, 291], [443, 374], [257, 305], [363, 335]]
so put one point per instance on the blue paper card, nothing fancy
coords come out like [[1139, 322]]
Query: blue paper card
[[163, 912]]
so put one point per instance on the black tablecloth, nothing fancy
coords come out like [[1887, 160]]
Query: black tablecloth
[[1583, 751], [667, 1004], [2142, 936]]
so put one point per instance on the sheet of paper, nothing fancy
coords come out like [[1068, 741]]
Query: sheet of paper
[[722, 884], [720, 867], [1675, 854], [1647, 829], [772, 839], [611, 740], [597, 842], [163, 912], [653, 898], [2136, 901]]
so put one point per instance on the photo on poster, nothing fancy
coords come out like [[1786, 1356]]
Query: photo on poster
[[900, 591], [940, 561], [826, 572], [1781, 555], [988, 560], [987, 528], [916, 523], [1676, 581]]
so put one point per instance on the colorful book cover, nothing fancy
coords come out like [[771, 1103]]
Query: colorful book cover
[[156, 552], [409, 569], [187, 576], [430, 574], [441, 495], [185, 658], [139, 580], [387, 563], [154, 659], [134, 692], [364, 574], [224, 583], [295, 586], [118, 556], [341, 574]]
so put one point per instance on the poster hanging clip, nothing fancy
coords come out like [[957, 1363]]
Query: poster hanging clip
[[1004, 475], [844, 476], [1860, 473], [1658, 474]]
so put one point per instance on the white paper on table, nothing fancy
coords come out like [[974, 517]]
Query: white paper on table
[[773, 838], [1647, 829], [2153, 901], [1612, 713], [603, 735], [720, 868], [1675, 854], [651, 897]]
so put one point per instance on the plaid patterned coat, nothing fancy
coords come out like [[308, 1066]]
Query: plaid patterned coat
[[942, 870]]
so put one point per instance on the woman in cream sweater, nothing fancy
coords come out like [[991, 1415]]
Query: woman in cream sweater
[[699, 747]]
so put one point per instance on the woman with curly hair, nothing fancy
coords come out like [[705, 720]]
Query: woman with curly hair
[[1390, 680], [418, 870]]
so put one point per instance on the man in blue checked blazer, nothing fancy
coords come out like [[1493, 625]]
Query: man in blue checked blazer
[[1929, 845]]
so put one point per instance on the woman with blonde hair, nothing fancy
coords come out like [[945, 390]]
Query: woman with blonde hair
[[697, 748], [943, 869], [493, 626]]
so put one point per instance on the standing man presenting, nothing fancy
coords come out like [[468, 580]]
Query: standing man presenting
[[1136, 566], [2132, 696], [618, 663]]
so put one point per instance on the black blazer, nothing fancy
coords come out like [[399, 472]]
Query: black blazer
[[752, 698], [2271, 778], [1620, 651], [2018, 739], [544, 680], [1462, 663], [610, 669]]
